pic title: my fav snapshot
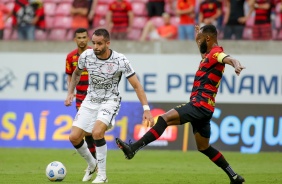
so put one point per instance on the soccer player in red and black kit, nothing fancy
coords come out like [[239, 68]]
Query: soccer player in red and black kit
[[200, 109], [81, 38]]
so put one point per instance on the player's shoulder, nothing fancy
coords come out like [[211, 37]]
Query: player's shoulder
[[116, 55], [72, 53], [216, 49], [87, 52]]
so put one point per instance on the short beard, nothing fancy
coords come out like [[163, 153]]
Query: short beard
[[101, 52], [203, 47]]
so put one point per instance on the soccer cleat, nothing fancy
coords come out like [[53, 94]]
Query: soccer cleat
[[89, 173], [238, 180], [126, 148], [100, 179]]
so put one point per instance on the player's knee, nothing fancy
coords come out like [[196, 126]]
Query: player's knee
[[98, 133], [202, 146], [74, 139]]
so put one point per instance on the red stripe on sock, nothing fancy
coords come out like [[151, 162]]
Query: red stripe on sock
[[91, 150], [216, 157], [155, 133]]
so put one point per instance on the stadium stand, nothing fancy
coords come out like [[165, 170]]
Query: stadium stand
[[58, 20]]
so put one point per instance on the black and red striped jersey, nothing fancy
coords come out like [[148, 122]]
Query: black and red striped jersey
[[207, 79], [262, 15], [209, 8], [81, 88]]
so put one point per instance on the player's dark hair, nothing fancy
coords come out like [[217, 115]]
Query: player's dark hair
[[210, 30], [102, 32], [80, 30]]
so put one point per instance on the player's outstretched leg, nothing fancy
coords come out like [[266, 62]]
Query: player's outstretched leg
[[153, 134], [126, 148]]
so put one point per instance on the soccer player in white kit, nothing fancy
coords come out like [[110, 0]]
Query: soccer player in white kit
[[102, 103]]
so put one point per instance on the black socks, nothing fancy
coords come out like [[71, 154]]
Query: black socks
[[219, 160], [153, 134]]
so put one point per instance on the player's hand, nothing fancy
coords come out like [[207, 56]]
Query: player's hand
[[69, 100], [148, 119], [238, 68]]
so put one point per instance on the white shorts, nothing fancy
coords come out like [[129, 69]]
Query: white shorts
[[89, 112]]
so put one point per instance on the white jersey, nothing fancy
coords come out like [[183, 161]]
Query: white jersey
[[104, 74]]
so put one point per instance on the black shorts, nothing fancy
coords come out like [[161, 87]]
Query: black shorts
[[198, 117]]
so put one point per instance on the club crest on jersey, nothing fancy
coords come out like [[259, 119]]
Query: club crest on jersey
[[215, 55], [110, 67]]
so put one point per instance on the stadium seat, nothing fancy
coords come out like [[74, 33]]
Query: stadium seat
[[50, 8], [139, 9], [139, 22], [104, 2], [157, 21], [134, 34], [250, 21], [49, 20], [62, 22], [57, 35], [14, 35], [10, 5], [52, 1], [69, 35], [66, 1], [278, 27], [40, 35], [7, 33], [8, 23], [247, 33], [277, 22], [99, 21], [169, 9], [101, 9], [174, 20], [5, 1], [248, 29], [63, 9]]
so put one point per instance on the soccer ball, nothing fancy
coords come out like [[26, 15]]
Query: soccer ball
[[56, 171]]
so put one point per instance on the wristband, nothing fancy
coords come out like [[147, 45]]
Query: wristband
[[146, 107]]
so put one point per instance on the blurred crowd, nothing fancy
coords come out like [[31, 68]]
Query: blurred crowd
[[140, 19]]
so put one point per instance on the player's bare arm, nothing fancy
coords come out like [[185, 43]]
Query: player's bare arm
[[74, 81], [147, 116], [235, 63]]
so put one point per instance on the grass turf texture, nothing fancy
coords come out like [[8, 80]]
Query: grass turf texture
[[27, 166]]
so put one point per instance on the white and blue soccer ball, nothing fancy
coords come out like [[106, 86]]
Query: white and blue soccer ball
[[56, 171]]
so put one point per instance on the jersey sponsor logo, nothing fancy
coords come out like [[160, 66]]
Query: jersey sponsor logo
[[99, 83], [103, 86]]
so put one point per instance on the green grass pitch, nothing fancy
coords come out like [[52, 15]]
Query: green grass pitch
[[27, 166]]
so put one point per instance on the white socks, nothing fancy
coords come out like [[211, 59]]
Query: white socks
[[101, 154], [85, 153]]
